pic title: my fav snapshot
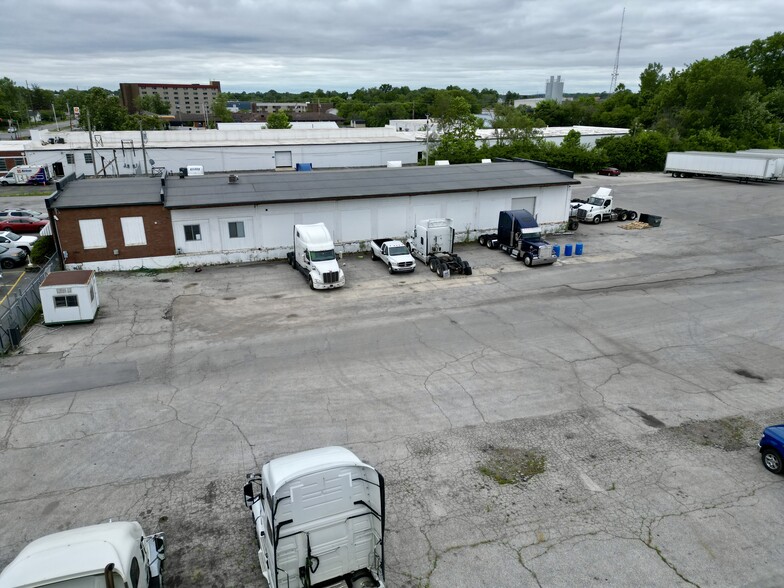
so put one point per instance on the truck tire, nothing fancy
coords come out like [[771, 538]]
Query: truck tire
[[482, 240], [597, 219], [489, 243], [311, 284], [573, 224], [391, 271], [440, 270], [4, 183], [528, 260], [623, 216], [432, 264], [373, 255], [632, 215], [458, 260], [467, 271]]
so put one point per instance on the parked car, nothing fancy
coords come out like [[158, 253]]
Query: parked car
[[11, 239], [22, 212], [609, 171], [22, 224], [771, 447], [11, 257]]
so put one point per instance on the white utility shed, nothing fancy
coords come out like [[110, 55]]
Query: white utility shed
[[69, 297]]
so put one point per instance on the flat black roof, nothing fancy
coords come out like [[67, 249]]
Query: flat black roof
[[289, 186]]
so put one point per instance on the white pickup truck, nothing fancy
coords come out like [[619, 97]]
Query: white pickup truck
[[107, 555], [394, 254]]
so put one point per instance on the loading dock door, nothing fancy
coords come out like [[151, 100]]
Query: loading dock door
[[283, 159], [528, 204]]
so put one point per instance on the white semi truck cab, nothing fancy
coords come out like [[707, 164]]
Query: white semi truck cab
[[319, 520], [109, 555], [599, 207], [314, 257]]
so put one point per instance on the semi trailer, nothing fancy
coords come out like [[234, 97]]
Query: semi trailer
[[735, 166]]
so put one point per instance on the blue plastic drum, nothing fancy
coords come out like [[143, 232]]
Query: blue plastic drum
[[568, 250], [557, 250], [578, 249]]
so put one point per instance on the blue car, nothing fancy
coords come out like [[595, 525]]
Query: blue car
[[771, 447]]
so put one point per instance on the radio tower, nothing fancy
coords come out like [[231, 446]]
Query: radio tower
[[614, 80]]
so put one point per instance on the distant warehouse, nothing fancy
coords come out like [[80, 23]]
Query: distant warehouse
[[130, 223]]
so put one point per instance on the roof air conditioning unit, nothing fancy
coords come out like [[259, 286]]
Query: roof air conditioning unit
[[233, 178]]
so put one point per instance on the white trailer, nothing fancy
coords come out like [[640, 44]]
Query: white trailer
[[720, 165], [319, 520], [109, 554]]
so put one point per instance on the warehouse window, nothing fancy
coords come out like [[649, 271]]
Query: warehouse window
[[93, 236], [192, 232], [133, 230], [3, 166], [66, 301], [69, 158], [237, 230], [88, 157]]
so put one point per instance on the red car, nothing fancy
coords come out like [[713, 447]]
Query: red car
[[609, 171], [22, 224]]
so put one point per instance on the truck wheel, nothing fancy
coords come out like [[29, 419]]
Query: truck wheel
[[528, 260], [433, 263], [440, 270], [467, 271], [458, 260], [310, 283], [623, 216], [7, 264], [4, 183], [573, 224], [597, 219], [391, 271], [632, 215], [482, 240], [373, 255], [489, 243]]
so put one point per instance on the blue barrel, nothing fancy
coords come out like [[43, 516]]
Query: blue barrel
[[557, 250], [568, 250], [578, 249]]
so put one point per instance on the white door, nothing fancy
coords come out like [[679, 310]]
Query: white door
[[283, 159]]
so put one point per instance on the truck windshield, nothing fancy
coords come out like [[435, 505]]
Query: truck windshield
[[401, 250], [596, 201], [12, 236], [322, 255], [532, 236]]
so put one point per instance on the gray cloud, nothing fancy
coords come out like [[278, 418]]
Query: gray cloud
[[347, 44]]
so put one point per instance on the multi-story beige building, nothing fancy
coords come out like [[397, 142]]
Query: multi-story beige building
[[182, 98]]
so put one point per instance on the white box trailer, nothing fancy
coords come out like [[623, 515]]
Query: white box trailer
[[69, 297], [720, 165], [775, 154]]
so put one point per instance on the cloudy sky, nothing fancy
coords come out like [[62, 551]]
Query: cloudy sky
[[348, 44]]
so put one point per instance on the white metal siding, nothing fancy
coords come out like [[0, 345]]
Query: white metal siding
[[528, 203], [133, 230], [93, 236]]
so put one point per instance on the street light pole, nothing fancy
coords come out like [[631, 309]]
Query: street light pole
[[56, 124]]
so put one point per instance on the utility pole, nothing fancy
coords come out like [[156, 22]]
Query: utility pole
[[144, 152], [70, 122], [92, 149], [427, 140], [56, 124], [614, 80]]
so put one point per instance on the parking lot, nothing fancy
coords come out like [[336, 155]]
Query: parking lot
[[588, 423]]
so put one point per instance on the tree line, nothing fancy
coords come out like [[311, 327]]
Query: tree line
[[726, 103]]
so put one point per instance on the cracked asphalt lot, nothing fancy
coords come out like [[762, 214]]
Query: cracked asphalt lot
[[642, 373]]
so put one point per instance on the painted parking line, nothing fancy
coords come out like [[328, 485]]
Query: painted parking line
[[11, 289]]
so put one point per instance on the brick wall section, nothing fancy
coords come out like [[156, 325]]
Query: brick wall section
[[157, 230]]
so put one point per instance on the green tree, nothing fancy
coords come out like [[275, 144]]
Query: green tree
[[104, 109], [278, 120], [457, 127], [765, 58], [153, 103], [220, 112]]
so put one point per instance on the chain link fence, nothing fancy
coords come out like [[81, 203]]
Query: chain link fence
[[22, 306]]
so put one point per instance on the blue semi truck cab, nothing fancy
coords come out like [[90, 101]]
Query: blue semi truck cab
[[519, 236]]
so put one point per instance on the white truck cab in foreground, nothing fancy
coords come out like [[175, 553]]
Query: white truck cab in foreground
[[314, 257], [109, 555], [319, 520]]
